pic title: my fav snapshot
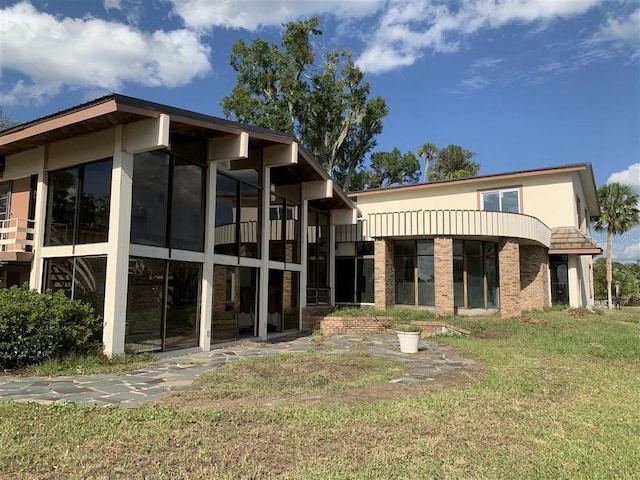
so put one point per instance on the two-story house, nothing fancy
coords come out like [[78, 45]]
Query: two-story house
[[509, 242]]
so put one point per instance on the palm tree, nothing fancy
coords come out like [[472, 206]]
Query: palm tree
[[619, 213], [430, 153], [454, 162]]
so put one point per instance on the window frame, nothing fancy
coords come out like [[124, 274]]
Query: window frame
[[500, 192]]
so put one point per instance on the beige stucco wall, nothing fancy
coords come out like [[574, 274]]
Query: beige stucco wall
[[81, 150], [550, 197], [23, 164]]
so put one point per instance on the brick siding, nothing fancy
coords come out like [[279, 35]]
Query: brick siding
[[443, 275]]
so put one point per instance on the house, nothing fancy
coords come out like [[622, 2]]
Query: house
[[510, 242], [186, 231], [181, 229]]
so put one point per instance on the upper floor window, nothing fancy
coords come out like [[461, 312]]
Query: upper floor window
[[78, 204], [168, 201], [501, 201]]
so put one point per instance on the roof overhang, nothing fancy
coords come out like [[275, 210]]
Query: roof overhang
[[570, 241], [115, 109]]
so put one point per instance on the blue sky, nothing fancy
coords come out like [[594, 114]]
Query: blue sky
[[522, 83]]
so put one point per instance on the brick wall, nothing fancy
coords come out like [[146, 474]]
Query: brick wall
[[384, 272], [534, 278], [443, 275], [345, 325], [509, 264]]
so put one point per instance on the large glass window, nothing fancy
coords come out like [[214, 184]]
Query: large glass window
[[354, 273], [162, 304], [81, 278], [168, 201], [284, 242], [318, 290], [501, 201], [187, 206], [475, 274], [235, 313], [283, 309], [414, 272], [78, 204], [237, 217]]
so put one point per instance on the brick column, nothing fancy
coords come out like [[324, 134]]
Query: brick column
[[534, 277], [384, 271], [509, 265], [443, 275]]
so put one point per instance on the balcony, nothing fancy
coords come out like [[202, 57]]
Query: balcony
[[16, 240], [474, 223]]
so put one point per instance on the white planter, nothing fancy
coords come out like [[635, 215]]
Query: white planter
[[409, 341]]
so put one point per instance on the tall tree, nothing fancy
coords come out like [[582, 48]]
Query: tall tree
[[390, 168], [454, 162], [326, 105], [429, 151], [619, 213]]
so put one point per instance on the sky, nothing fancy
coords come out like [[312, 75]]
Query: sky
[[523, 84]]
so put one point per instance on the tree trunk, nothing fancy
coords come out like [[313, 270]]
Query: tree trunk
[[609, 268]]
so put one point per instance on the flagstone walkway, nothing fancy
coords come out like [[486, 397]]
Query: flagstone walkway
[[177, 373]]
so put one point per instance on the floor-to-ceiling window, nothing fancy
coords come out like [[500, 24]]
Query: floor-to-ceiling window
[[318, 289], [354, 273], [414, 272], [163, 301], [235, 309], [475, 274]]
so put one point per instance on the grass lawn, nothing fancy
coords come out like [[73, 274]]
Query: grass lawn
[[558, 397]]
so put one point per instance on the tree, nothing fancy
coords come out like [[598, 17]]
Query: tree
[[388, 169], [619, 213], [327, 106], [430, 153], [5, 120], [454, 162]]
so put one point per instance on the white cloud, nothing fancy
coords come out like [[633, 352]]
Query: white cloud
[[252, 14], [50, 52], [622, 29], [410, 27], [630, 176]]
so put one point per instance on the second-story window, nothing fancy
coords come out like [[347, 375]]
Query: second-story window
[[78, 204], [501, 200]]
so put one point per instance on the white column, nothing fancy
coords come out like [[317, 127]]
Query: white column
[[574, 284], [304, 231], [206, 302], [115, 296], [35, 278], [263, 280]]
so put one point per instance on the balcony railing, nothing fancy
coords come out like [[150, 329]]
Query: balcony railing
[[477, 223], [16, 235]]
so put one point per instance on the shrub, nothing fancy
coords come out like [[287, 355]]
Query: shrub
[[37, 326]]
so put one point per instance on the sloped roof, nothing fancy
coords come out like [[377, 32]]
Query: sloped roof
[[566, 240]]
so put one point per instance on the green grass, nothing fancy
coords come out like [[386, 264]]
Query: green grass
[[88, 364], [399, 313], [559, 399]]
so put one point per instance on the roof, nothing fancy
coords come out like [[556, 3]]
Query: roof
[[584, 170], [568, 240], [115, 109]]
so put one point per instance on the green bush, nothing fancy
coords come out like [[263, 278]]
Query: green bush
[[38, 326]]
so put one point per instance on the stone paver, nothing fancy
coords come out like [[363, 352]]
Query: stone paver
[[177, 373]]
